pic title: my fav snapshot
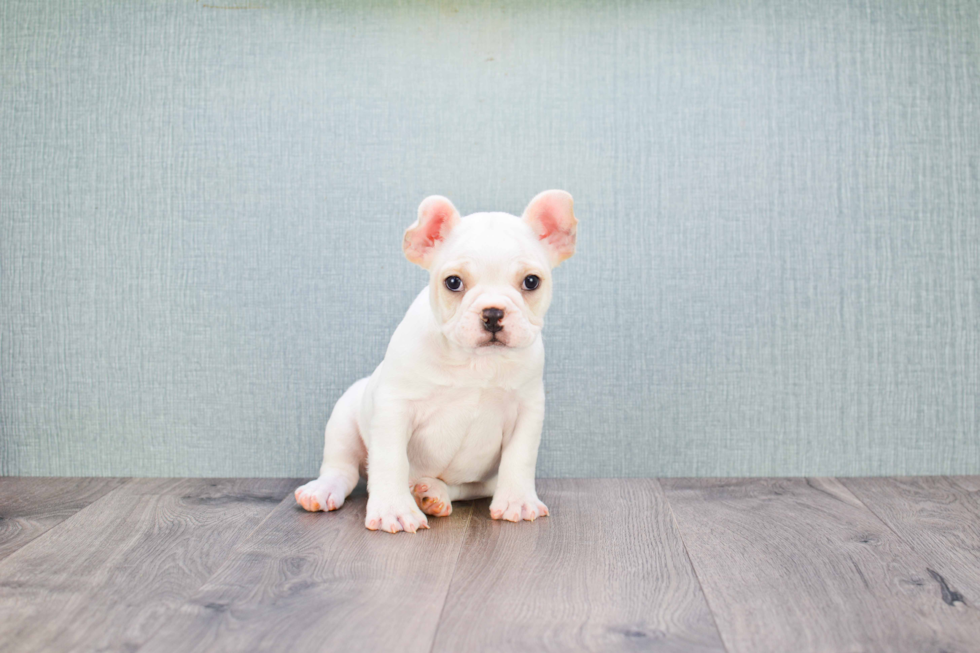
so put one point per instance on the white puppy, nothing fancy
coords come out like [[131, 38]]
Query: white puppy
[[454, 410]]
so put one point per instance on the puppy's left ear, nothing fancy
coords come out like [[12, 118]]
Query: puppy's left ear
[[551, 217], [437, 217]]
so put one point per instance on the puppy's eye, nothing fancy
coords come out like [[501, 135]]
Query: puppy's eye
[[531, 282], [454, 283]]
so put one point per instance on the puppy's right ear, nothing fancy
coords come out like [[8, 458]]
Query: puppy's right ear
[[437, 217]]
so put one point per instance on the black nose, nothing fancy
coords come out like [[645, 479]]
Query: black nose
[[491, 319]]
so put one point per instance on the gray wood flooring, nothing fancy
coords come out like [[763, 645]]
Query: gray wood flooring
[[164, 565]]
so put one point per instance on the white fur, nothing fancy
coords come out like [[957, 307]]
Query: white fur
[[448, 415]]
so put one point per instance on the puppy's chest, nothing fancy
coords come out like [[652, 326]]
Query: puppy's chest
[[458, 433]]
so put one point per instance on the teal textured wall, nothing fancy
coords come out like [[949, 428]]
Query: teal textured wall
[[779, 258]]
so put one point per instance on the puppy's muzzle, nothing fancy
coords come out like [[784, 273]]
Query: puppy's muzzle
[[491, 319]]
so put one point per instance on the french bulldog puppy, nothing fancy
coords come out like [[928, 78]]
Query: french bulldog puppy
[[454, 410]]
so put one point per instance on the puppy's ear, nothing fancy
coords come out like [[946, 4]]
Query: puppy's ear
[[551, 217], [437, 217]]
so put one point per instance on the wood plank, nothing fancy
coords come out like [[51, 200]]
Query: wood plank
[[112, 574], [968, 483], [215, 490], [322, 582], [937, 517], [803, 565], [29, 506], [606, 571]]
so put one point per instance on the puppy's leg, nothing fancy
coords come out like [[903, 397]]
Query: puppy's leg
[[515, 497], [343, 454], [390, 505]]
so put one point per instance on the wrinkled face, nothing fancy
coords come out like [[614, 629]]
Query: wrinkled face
[[490, 273], [491, 283]]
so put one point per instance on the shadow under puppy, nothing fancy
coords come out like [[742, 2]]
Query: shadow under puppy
[[454, 411]]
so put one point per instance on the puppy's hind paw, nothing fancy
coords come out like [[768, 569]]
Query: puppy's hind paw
[[432, 496], [325, 493]]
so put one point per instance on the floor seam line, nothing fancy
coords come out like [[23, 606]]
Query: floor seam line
[[902, 539], [125, 482], [690, 561], [449, 587]]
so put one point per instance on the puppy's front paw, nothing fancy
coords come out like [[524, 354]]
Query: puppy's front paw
[[325, 493], [393, 514], [432, 496], [515, 508]]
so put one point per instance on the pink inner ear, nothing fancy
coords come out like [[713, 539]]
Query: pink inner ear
[[561, 240], [437, 216], [431, 231], [549, 225], [551, 217]]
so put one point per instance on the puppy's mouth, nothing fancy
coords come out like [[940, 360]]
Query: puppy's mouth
[[494, 341]]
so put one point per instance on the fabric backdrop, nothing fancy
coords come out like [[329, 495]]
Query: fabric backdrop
[[779, 258]]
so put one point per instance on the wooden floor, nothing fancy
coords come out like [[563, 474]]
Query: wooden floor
[[787, 565]]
